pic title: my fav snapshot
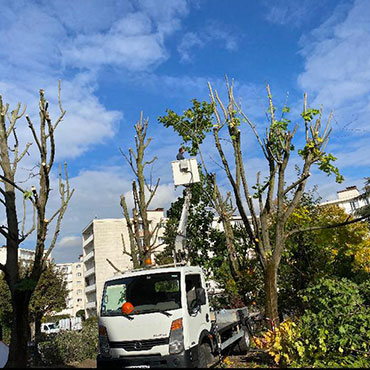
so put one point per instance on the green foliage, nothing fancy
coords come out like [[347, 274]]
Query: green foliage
[[27, 194], [55, 318], [5, 303], [81, 313], [71, 346], [309, 114], [309, 256], [334, 330], [25, 284], [192, 126], [50, 294], [324, 160]]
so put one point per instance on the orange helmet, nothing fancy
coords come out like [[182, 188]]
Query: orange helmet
[[127, 308]]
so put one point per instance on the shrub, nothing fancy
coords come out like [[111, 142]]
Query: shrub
[[334, 331], [71, 346], [279, 344]]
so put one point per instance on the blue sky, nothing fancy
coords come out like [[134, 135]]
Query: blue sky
[[116, 58]]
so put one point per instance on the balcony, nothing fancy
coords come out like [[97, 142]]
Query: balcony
[[88, 240], [89, 256], [90, 305], [90, 272], [90, 288]]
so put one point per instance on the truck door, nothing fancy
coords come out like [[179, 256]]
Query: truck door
[[198, 314]]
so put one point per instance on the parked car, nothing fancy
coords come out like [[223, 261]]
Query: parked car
[[49, 328]]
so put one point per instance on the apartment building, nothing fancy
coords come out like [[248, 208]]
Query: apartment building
[[102, 241], [349, 199], [26, 256], [73, 274]]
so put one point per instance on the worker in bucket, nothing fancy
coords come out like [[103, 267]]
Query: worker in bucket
[[180, 154]]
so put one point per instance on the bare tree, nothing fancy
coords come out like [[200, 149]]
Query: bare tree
[[143, 237], [22, 288], [276, 200]]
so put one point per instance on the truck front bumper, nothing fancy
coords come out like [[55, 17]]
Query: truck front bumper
[[183, 360]]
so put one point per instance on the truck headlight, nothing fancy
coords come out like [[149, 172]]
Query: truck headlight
[[103, 341], [176, 343]]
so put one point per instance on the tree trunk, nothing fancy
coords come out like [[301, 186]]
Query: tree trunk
[[271, 301], [38, 318], [20, 331]]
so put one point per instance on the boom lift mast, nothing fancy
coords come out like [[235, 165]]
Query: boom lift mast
[[185, 172]]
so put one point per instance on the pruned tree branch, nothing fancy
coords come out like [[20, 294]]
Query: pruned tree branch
[[330, 226], [116, 268]]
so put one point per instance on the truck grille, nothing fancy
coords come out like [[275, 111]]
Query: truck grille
[[139, 345]]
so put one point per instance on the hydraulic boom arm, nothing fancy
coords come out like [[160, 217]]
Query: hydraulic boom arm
[[180, 242]]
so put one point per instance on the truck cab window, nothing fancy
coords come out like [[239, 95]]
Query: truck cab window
[[192, 282], [147, 293]]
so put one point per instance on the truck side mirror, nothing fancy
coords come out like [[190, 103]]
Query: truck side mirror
[[201, 296]]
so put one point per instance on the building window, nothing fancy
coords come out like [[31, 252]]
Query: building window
[[79, 274], [79, 291], [79, 282], [78, 266]]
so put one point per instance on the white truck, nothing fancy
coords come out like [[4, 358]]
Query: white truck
[[170, 324], [71, 323], [160, 316], [49, 328]]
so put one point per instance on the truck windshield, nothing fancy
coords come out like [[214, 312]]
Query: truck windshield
[[147, 293]]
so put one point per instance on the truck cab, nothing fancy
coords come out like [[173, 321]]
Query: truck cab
[[167, 318]]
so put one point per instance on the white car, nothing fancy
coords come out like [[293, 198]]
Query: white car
[[49, 328]]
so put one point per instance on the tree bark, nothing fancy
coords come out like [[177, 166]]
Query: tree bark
[[271, 303], [20, 331]]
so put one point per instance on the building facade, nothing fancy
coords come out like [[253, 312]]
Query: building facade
[[102, 241], [350, 199], [25, 256], [73, 275]]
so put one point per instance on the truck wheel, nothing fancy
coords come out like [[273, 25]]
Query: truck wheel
[[242, 347], [205, 355]]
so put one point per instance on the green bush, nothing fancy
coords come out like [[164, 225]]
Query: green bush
[[71, 346], [334, 331], [55, 318]]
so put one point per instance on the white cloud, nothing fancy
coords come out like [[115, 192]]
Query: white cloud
[[292, 12], [45, 41], [129, 43], [87, 122], [70, 241], [189, 41], [213, 32], [337, 75], [337, 67], [82, 34]]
